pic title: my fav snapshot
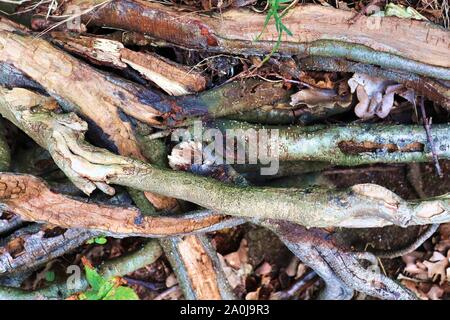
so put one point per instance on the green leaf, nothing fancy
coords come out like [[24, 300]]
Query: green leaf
[[89, 295], [266, 22], [286, 30], [100, 240], [95, 280], [106, 288], [97, 240], [50, 276], [121, 293]]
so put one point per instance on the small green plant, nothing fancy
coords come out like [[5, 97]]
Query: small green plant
[[50, 276], [97, 240], [275, 6], [104, 289]]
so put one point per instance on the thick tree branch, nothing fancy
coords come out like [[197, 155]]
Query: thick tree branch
[[348, 145], [88, 167], [199, 269], [29, 250], [339, 268], [317, 31], [31, 199]]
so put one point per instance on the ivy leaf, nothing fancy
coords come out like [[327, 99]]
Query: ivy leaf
[[95, 280], [97, 240], [121, 293], [100, 240], [89, 295], [50, 276], [104, 289]]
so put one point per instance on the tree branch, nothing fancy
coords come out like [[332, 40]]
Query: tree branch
[[88, 167], [31, 249], [316, 31], [121, 266], [348, 145], [199, 270]]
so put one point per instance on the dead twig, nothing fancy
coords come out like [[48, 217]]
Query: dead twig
[[427, 125]]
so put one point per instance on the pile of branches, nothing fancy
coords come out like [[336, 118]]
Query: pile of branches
[[102, 85]]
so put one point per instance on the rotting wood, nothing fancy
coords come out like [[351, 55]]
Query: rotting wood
[[169, 76], [200, 265], [30, 250], [317, 31]]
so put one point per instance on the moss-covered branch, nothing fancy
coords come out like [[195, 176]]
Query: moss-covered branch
[[89, 167], [349, 145]]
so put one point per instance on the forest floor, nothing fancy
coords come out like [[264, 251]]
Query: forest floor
[[256, 263]]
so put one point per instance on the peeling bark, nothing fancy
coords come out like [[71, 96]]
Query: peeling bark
[[31, 199], [171, 77], [317, 31], [30, 250], [201, 267], [114, 97]]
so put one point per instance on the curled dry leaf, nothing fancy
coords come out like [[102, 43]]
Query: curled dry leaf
[[435, 292], [412, 268], [291, 269], [254, 295], [437, 269], [437, 256], [376, 95], [171, 280], [263, 269], [235, 277], [327, 98], [235, 265], [414, 287], [238, 258]]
